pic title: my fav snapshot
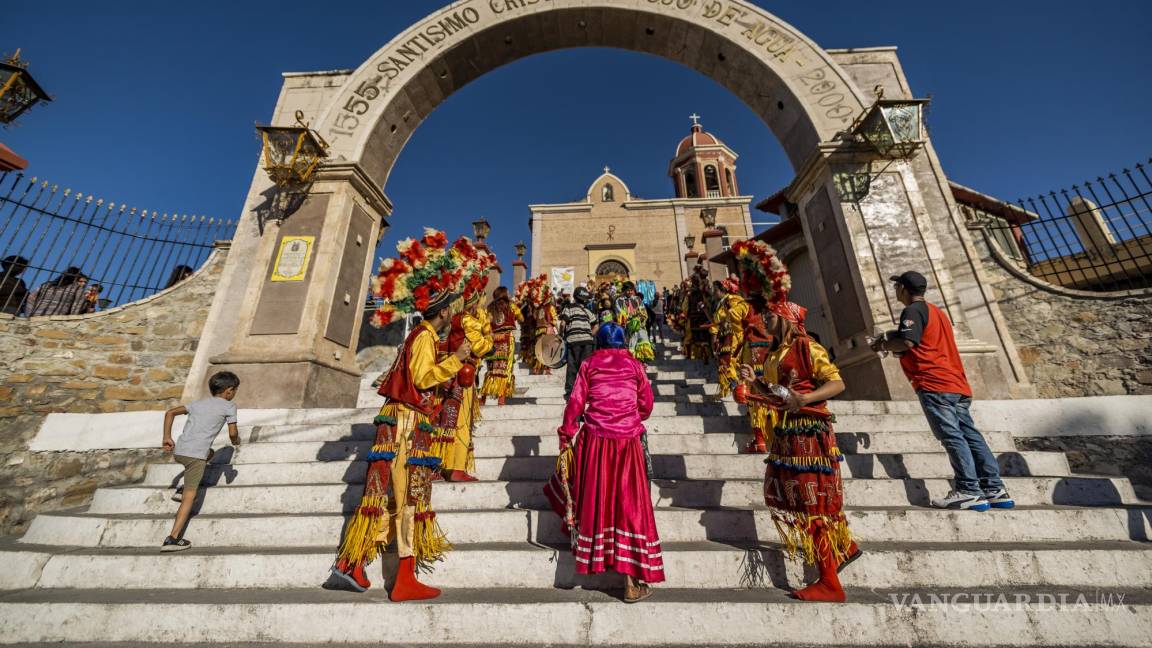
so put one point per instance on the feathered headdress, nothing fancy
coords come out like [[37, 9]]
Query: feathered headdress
[[423, 272], [761, 270], [474, 264]]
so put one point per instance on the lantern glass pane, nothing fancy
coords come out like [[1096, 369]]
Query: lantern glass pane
[[905, 122], [875, 130], [309, 147], [280, 146]]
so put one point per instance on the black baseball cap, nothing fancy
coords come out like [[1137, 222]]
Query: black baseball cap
[[913, 281]]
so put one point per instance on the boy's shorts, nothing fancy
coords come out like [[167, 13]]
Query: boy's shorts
[[193, 471]]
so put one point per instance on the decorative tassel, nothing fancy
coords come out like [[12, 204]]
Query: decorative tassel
[[359, 545], [430, 543], [497, 387], [797, 534]]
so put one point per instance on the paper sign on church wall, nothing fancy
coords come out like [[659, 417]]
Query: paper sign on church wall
[[564, 280], [292, 258]]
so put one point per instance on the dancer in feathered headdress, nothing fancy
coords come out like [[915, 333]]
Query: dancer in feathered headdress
[[460, 410], [500, 378], [697, 309], [539, 295], [728, 323], [793, 377], [396, 503]]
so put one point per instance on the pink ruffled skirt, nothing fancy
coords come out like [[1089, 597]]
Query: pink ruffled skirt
[[616, 526]]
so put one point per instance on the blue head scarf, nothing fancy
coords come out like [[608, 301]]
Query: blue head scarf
[[611, 336]]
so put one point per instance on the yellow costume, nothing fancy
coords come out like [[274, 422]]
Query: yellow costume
[[459, 454], [499, 380], [396, 503], [730, 316]]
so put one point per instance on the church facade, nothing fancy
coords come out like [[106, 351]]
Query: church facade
[[612, 233]]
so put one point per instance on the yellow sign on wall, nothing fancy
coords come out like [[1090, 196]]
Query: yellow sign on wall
[[292, 259]]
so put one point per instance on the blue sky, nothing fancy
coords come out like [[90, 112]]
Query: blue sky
[[155, 102]]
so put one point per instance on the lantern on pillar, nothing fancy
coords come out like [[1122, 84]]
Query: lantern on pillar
[[708, 215], [689, 242], [893, 127], [291, 153], [18, 90], [480, 229], [520, 250]]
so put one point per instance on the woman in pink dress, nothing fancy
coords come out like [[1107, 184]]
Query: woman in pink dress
[[614, 524]]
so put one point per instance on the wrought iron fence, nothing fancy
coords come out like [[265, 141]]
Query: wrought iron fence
[[63, 252], [1096, 235]]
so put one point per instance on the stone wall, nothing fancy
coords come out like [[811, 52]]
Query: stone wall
[[131, 358], [1071, 342], [1120, 456]]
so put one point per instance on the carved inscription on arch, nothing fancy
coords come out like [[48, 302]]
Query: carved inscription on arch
[[822, 90]]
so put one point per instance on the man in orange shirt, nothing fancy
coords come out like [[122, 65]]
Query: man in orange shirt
[[928, 355]]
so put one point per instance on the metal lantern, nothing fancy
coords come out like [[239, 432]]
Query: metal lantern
[[18, 90], [520, 250], [481, 228], [689, 242], [708, 215], [893, 127], [291, 153]]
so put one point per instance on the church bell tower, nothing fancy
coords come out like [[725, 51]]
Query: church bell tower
[[704, 167]]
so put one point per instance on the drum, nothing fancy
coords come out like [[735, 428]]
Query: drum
[[550, 351]]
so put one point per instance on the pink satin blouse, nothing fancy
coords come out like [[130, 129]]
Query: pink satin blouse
[[613, 394]]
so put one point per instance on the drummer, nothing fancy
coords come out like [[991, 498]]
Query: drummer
[[578, 328]]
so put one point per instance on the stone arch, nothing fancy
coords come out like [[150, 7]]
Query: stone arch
[[795, 87], [300, 332]]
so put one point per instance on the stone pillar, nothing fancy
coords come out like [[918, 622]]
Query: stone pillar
[[714, 245], [858, 241], [295, 340], [519, 273]]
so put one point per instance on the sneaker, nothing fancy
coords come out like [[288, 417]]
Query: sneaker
[[962, 501], [172, 544], [1000, 499]]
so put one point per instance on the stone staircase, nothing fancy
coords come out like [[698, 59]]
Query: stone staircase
[[1072, 551]]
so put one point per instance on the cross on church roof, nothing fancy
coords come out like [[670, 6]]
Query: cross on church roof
[[606, 169], [695, 119]]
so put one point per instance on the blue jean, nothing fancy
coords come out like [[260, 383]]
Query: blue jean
[[972, 460]]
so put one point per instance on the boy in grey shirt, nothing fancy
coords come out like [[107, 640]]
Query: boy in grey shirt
[[194, 448]]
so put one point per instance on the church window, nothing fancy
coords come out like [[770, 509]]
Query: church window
[[608, 194], [728, 180], [711, 180], [692, 191]]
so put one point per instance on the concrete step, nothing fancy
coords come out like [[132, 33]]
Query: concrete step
[[533, 445], [922, 465], [358, 426], [701, 565], [894, 524], [487, 495], [579, 617]]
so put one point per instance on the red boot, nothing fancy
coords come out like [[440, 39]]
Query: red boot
[[459, 476], [407, 588], [500, 402], [827, 589], [854, 552], [354, 577], [758, 444]]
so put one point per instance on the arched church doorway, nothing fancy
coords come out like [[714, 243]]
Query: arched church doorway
[[612, 269], [303, 332]]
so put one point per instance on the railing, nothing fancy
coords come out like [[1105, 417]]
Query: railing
[[51, 237], [1094, 236]]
